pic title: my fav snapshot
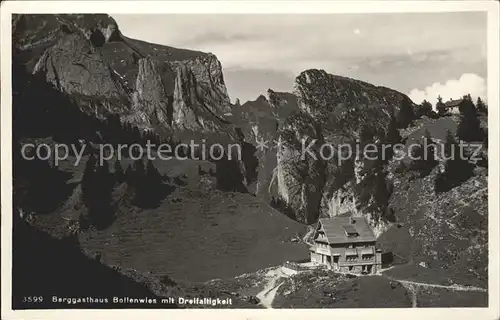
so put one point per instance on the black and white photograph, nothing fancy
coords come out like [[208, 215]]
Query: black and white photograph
[[250, 160]]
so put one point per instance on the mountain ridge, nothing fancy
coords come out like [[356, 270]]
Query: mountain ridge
[[87, 55]]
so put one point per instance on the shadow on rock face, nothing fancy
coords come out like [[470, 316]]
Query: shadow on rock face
[[97, 38]]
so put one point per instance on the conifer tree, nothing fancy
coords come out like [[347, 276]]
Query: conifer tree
[[426, 108], [392, 138], [88, 180], [152, 175], [481, 106], [405, 115], [105, 177], [119, 174], [469, 128], [430, 160], [153, 184], [136, 178], [97, 186], [372, 191], [440, 107], [456, 169], [129, 173], [485, 139], [139, 172], [103, 215], [424, 156]]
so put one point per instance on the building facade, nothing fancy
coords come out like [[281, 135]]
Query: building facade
[[453, 106], [345, 244]]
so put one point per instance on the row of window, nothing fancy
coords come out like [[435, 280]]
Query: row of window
[[350, 246], [365, 257]]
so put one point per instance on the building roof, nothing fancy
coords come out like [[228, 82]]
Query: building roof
[[453, 103], [337, 229]]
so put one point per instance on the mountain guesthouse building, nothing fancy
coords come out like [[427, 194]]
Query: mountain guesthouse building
[[345, 244]]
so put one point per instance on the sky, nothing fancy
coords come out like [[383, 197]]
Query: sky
[[419, 54]]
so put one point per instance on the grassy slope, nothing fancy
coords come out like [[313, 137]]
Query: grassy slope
[[442, 298], [47, 267], [198, 233]]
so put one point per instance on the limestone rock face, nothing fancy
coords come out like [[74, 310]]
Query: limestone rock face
[[319, 93], [340, 108], [150, 103], [74, 66], [152, 86], [207, 72], [260, 121], [200, 99], [300, 175]]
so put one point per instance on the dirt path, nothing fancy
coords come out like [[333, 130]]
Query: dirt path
[[413, 290], [266, 296], [455, 287], [414, 287]]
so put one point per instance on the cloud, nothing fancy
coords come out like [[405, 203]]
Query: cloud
[[400, 51], [452, 89]]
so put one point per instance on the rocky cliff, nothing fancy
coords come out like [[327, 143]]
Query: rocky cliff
[[259, 121], [325, 110], [151, 86]]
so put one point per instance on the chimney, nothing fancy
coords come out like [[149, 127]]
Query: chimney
[[352, 220]]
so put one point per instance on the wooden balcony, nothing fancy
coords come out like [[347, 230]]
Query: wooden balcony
[[357, 262], [321, 250]]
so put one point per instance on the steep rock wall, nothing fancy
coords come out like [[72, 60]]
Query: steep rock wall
[[152, 86], [341, 107]]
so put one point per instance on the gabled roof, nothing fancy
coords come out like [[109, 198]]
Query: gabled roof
[[453, 103], [335, 229]]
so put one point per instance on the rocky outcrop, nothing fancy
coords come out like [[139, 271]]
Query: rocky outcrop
[[151, 86], [446, 231], [299, 176], [74, 66], [150, 103], [341, 108], [260, 121], [320, 93], [338, 109], [200, 99]]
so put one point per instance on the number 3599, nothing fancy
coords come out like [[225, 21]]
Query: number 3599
[[33, 299]]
